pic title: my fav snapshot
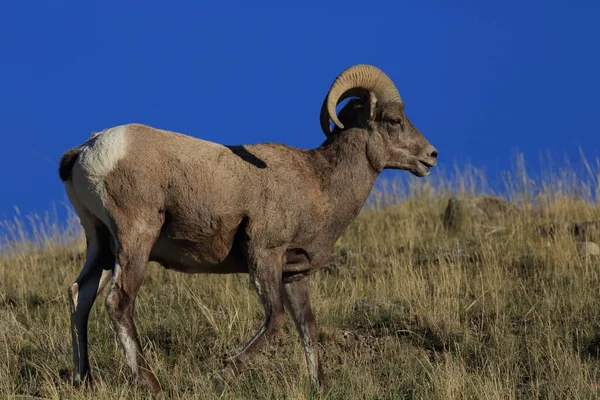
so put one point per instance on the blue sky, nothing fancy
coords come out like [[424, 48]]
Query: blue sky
[[480, 79]]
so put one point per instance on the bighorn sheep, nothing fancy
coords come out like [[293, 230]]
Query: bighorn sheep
[[194, 206]]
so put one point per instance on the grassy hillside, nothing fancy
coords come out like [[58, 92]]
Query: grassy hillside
[[491, 309]]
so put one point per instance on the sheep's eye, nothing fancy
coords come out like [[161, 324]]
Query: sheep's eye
[[396, 121]]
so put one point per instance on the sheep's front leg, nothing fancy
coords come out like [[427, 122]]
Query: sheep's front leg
[[265, 269], [297, 302]]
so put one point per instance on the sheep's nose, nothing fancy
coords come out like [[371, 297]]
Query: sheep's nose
[[432, 153]]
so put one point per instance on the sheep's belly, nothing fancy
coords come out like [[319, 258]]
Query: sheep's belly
[[182, 259]]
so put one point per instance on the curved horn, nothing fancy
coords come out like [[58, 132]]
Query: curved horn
[[324, 118], [355, 81]]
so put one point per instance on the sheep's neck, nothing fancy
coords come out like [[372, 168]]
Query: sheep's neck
[[348, 176]]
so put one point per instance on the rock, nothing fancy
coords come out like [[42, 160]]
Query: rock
[[588, 249], [454, 218], [586, 229], [466, 213], [582, 230], [555, 229]]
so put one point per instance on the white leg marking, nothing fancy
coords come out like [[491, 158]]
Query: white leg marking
[[74, 295], [127, 340], [111, 302], [130, 349], [312, 359], [258, 288], [115, 274], [104, 279]]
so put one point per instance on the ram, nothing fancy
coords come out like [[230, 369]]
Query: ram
[[268, 210]]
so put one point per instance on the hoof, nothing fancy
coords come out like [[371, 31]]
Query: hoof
[[220, 383], [83, 382], [228, 374], [150, 380]]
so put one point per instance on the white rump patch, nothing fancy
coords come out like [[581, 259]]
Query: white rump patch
[[102, 151], [98, 157]]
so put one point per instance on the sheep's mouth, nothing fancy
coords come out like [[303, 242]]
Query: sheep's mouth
[[426, 164], [415, 166], [424, 167]]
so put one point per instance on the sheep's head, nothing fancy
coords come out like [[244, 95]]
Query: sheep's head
[[394, 142]]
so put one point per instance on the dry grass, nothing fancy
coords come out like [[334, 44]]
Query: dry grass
[[406, 310]]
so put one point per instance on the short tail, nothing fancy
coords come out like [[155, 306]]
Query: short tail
[[66, 163]]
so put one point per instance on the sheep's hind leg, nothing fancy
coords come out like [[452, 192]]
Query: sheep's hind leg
[[265, 269], [93, 277], [133, 249], [297, 301]]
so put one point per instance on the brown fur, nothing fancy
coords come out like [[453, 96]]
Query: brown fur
[[268, 210]]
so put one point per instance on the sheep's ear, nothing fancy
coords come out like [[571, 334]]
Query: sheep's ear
[[376, 152], [372, 105]]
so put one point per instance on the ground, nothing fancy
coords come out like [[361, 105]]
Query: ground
[[406, 309]]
